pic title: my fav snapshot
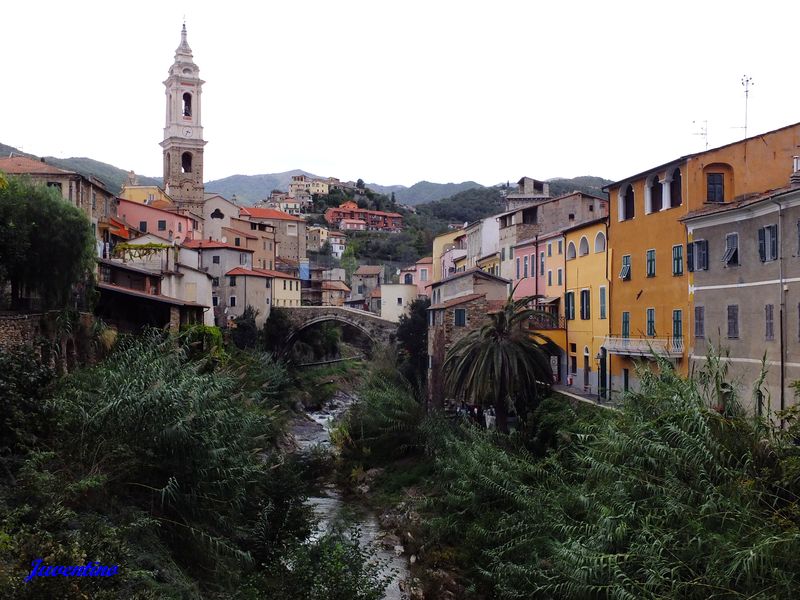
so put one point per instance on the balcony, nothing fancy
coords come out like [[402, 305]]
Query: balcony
[[644, 346], [545, 322]]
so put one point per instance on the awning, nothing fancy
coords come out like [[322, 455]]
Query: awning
[[546, 299]]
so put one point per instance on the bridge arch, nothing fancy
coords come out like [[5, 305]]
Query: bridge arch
[[330, 319], [376, 329]]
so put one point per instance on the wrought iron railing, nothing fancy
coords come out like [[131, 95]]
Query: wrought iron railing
[[644, 346]]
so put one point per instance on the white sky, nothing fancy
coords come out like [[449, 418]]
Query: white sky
[[397, 92]]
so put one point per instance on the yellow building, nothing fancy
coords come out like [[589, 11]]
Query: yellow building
[[319, 186], [490, 263], [285, 288], [441, 245], [586, 297], [653, 259], [146, 194]]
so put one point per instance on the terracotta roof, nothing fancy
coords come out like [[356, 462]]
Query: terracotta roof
[[276, 274], [456, 301], [428, 260], [369, 270], [472, 271], [212, 245], [20, 165], [742, 202], [376, 293], [267, 213], [245, 234], [246, 273], [157, 298], [360, 221], [335, 285], [149, 207]]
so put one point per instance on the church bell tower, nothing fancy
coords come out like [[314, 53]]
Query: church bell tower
[[183, 133]]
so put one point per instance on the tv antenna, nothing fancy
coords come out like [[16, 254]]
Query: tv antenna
[[747, 81], [703, 131]]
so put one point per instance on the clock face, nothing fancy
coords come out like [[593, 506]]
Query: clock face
[[187, 132]]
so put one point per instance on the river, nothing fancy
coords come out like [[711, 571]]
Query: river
[[331, 508]]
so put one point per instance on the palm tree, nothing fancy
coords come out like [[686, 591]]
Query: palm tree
[[502, 364]]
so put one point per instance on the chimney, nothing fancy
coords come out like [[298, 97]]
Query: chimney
[[795, 178]]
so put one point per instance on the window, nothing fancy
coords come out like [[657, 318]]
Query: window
[[215, 259], [233, 301], [677, 260], [626, 379], [94, 200], [675, 191], [677, 324], [697, 255], [525, 266], [549, 249], [549, 278], [423, 274], [232, 281], [541, 263], [583, 247], [517, 268], [180, 227], [626, 204], [768, 243], [186, 162], [215, 282], [733, 321], [731, 256], [585, 305], [269, 285], [143, 226], [560, 277], [399, 302], [408, 279], [560, 247], [162, 225], [651, 322], [242, 258], [600, 242], [214, 301], [570, 251], [651, 263], [187, 105], [625, 272], [237, 241], [653, 195], [569, 305], [769, 322], [460, 317], [715, 187], [626, 324], [602, 302], [699, 321]]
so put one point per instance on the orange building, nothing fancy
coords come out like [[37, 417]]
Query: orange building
[[651, 258]]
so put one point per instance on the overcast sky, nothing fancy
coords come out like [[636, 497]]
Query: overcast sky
[[404, 91]]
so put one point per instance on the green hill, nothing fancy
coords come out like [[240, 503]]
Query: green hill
[[249, 189]]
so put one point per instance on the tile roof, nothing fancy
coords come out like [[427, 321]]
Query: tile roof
[[212, 245], [472, 271], [267, 213], [155, 297], [369, 270], [428, 260], [244, 234], [276, 274], [248, 273], [335, 285], [456, 301], [20, 165], [376, 293], [742, 202]]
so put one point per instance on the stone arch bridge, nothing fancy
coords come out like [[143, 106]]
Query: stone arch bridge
[[378, 330]]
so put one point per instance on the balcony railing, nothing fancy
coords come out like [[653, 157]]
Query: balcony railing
[[543, 321], [644, 346]]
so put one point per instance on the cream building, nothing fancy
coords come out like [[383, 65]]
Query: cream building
[[395, 300]]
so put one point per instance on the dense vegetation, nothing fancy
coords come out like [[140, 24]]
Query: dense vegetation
[[464, 207], [677, 495], [46, 244], [164, 459]]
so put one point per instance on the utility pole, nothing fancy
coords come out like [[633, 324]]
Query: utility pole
[[747, 81], [703, 131]]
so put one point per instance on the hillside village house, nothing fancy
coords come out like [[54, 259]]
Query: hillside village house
[[375, 220], [586, 297], [482, 242], [652, 254], [528, 191], [334, 292], [88, 194], [146, 194], [217, 213], [395, 300], [338, 242], [365, 279], [458, 304], [290, 231], [745, 268], [166, 224], [353, 225], [419, 274], [316, 237], [447, 248]]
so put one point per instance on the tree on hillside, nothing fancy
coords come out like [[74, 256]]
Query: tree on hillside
[[500, 364], [46, 244], [412, 337], [348, 262], [360, 184]]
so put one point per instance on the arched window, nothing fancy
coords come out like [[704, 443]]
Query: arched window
[[675, 199], [187, 104], [653, 195], [628, 204], [583, 248], [408, 279], [570, 251], [600, 242], [186, 162]]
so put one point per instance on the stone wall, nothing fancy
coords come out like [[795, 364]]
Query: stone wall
[[19, 329]]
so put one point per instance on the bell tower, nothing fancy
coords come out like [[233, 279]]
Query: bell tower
[[183, 133]]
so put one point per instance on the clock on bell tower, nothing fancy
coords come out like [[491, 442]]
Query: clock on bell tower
[[183, 133]]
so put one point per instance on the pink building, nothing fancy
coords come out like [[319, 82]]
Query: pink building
[[536, 265], [419, 274], [352, 225], [160, 222]]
